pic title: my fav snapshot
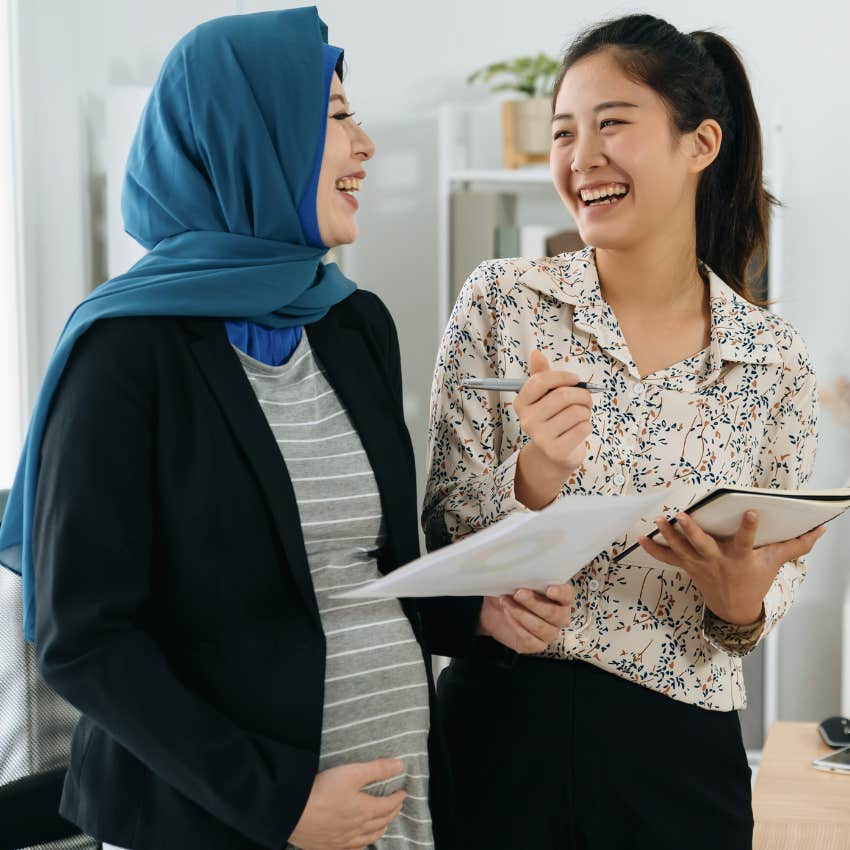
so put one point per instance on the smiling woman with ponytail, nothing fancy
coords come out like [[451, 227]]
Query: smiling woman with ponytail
[[622, 729], [701, 76]]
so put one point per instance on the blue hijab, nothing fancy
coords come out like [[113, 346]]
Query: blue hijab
[[221, 189]]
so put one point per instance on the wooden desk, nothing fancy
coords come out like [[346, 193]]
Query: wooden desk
[[797, 807]]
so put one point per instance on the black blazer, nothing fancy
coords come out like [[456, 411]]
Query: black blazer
[[175, 604]]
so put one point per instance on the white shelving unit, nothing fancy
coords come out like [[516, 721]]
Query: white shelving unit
[[844, 708], [517, 178], [470, 158], [775, 261]]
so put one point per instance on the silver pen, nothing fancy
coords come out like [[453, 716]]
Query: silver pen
[[514, 385]]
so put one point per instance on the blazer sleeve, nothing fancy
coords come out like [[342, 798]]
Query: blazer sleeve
[[94, 548], [449, 622]]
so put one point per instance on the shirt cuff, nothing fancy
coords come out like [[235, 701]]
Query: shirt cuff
[[732, 638], [504, 494]]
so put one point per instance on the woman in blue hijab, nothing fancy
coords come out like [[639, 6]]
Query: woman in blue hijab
[[218, 450]]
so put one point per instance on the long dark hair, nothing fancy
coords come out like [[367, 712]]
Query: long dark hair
[[700, 75]]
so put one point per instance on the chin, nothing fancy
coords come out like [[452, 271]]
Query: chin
[[605, 238], [597, 240], [343, 237]]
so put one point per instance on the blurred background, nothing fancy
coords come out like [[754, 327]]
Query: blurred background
[[73, 77]]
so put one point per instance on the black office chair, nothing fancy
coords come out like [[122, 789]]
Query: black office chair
[[29, 805], [29, 811]]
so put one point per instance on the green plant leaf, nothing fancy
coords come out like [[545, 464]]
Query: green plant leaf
[[529, 75]]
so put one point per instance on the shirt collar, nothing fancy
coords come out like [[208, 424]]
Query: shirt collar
[[741, 332]]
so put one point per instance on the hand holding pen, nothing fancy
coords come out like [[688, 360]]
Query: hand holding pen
[[555, 413]]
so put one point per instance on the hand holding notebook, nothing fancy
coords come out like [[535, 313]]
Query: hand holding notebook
[[783, 515], [730, 555]]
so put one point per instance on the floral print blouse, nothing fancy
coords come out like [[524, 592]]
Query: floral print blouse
[[742, 412]]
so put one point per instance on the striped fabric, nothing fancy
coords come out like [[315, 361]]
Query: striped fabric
[[376, 692]]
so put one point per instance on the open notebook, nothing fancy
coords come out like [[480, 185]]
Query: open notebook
[[783, 514]]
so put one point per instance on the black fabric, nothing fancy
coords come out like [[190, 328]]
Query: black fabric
[[29, 811], [560, 755], [175, 603]]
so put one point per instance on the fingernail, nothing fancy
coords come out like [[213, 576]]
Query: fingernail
[[752, 516], [521, 595], [682, 518], [659, 519]]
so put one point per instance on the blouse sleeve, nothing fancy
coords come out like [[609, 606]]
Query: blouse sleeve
[[785, 461], [471, 466]]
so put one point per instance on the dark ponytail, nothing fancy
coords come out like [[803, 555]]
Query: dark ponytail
[[701, 76]]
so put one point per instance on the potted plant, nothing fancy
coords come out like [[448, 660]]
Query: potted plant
[[527, 121]]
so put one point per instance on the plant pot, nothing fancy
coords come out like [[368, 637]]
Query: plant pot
[[527, 129]]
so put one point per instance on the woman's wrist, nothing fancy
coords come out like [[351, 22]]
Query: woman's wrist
[[744, 617], [537, 480]]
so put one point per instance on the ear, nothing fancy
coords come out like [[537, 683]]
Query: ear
[[702, 145]]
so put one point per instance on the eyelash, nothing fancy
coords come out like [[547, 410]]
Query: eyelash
[[341, 116], [560, 134]]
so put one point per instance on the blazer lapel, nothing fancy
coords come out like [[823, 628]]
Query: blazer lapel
[[227, 382], [357, 374]]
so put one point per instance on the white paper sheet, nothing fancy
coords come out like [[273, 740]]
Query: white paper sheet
[[533, 549]]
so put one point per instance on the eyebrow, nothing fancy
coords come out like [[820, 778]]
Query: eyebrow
[[608, 104]]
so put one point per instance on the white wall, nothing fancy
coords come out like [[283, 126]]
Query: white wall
[[405, 59], [11, 373]]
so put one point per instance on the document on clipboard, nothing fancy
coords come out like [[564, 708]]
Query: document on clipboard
[[532, 549]]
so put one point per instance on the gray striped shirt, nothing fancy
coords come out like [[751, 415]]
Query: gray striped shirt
[[376, 691]]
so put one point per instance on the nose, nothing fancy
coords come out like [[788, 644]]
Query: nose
[[587, 153], [362, 145]]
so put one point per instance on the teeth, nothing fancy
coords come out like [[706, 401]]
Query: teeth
[[611, 190], [348, 184]]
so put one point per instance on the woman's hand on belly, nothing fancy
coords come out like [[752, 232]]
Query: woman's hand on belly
[[527, 622], [732, 576], [339, 815], [555, 414]]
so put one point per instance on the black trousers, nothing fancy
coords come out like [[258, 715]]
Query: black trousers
[[560, 755]]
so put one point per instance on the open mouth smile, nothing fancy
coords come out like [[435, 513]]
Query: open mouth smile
[[609, 194], [348, 184]]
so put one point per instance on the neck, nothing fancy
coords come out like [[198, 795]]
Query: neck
[[659, 275]]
